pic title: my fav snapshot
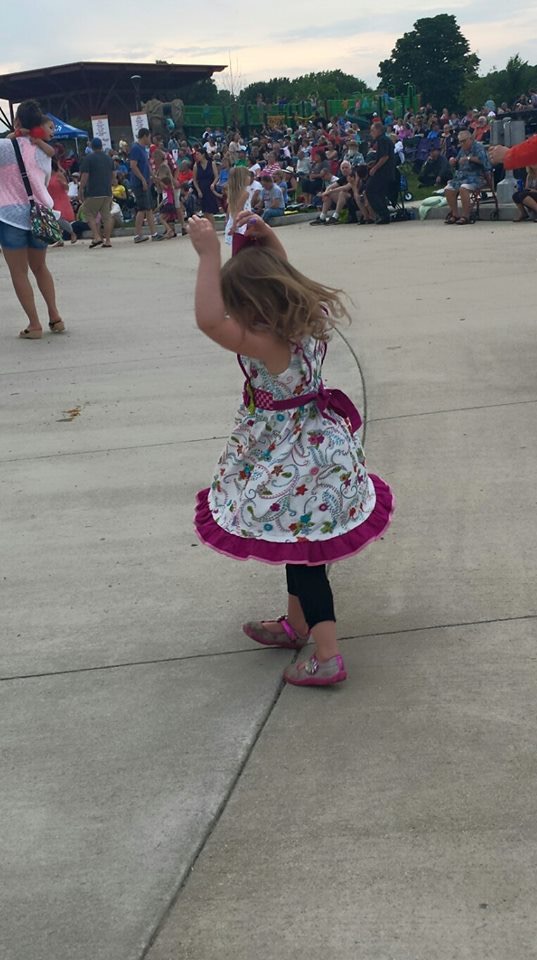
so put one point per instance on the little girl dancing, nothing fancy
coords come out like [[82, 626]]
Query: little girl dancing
[[291, 485]]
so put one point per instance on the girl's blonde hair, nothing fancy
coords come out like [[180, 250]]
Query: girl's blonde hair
[[164, 174], [261, 291], [238, 182]]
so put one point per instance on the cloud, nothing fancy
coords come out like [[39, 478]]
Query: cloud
[[396, 22], [206, 51], [304, 38]]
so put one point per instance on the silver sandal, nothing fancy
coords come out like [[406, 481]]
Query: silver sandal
[[287, 638], [310, 672]]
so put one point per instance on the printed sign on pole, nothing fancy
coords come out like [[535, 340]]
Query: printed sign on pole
[[138, 120], [101, 129]]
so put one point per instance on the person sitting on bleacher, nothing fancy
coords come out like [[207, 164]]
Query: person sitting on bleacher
[[448, 142], [273, 203], [280, 181], [353, 153], [423, 149], [291, 183], [435, 172], [338, 192], [526, 199]]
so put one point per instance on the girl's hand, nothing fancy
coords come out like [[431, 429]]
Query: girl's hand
[[255, 225], [203, 237], [257, 229]]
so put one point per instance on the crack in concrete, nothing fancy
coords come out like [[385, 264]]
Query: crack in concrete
[[172, 443], [89, 366], [159, 926], [433, 413], [89, 453], [231, 653]]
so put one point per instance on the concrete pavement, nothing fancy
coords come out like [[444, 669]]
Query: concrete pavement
[[391, 819]]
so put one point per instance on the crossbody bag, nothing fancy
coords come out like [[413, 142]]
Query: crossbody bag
[[43, 223]]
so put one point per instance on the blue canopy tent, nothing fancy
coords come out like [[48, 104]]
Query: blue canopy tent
[[64, 131]]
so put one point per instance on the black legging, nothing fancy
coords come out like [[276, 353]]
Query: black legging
[[521, 195], [311, 586]]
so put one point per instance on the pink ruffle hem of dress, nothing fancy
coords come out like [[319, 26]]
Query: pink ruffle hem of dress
[[312, 553]]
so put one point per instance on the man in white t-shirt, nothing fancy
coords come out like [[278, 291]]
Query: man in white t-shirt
[[337, 191], [72, 189], [255, 191]]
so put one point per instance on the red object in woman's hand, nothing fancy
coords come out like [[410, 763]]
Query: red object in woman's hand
[[38, 133]]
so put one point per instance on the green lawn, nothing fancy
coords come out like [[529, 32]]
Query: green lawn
[[416, 188]]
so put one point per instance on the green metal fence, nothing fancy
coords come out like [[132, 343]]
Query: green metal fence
[[247, 115]]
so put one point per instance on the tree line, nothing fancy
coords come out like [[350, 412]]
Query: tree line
[[434, 57]]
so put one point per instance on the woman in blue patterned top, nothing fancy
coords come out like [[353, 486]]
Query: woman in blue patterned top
[[471, 166]]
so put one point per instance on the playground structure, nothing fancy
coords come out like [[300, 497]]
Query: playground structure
[[165, 119]]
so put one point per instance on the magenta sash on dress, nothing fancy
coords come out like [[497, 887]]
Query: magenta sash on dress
[[325, 399]]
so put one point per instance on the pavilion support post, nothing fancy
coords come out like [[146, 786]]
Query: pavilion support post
[[4, 117]]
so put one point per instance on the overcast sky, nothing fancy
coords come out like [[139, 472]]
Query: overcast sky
[[276, 38]]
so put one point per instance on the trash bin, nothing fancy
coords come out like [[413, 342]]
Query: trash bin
[[514, 132], [496, 133]]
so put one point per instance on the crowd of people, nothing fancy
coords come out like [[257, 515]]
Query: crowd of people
[[332, 166], [335, 167]]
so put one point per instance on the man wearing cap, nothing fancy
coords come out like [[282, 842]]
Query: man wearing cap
[[436, 170], [95, 192]]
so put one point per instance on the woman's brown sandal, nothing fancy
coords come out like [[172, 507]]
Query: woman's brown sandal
[[57, 326], [30, 334], [450, 218]]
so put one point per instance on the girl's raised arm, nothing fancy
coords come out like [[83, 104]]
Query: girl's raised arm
[[211, 316], [208, 302]]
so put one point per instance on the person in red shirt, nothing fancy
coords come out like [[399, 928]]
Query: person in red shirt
[[523, 155], [58, 187], [184, 174], [481, 129]]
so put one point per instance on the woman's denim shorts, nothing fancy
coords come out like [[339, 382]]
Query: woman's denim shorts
[[13, 238]]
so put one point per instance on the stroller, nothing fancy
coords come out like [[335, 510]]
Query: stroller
[[127, 203], [399, 194], [403, 184]]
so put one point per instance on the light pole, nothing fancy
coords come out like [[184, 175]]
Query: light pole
[[136, 81]]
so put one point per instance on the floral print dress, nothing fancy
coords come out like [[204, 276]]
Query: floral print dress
[[291, 485]]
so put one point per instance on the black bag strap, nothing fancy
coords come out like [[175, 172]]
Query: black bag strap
[[22, 168]]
